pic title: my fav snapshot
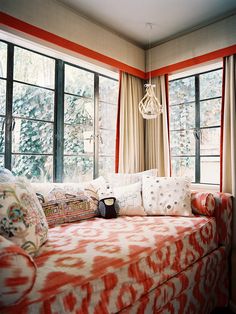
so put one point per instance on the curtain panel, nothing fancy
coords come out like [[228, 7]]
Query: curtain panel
[[130, 131], [157, 152], [229, 126], [141, 144], [228, 154]]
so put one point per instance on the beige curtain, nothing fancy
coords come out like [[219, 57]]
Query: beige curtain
[[131, 125], [156, 134], [229, 133], [229, 152]]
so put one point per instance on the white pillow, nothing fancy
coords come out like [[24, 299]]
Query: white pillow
[[121, 179], [167, 196], [129, 200]]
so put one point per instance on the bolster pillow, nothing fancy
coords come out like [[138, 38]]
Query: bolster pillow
[[203, 203], [17, 273]]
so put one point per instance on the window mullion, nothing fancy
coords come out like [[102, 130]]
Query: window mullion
[[197, 124], [9, 100], [58, 122], [96, 127]]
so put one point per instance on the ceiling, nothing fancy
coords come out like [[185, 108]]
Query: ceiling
[[169, 18]]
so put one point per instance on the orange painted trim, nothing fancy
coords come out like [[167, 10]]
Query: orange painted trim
[[35, 31], [224, 52]]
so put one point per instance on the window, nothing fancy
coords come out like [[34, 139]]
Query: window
[[50, 116], [195, 111]]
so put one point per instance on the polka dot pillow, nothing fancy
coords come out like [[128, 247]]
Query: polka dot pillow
[[167, 196]]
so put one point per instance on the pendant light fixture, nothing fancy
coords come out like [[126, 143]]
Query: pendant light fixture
[[149, 106]]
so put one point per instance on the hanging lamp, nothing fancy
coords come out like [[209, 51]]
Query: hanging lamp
[[149, 106]]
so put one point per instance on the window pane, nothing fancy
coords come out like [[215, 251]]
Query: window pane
[[33, 102], [32, 137], [182, 143], [210, 170], [107, 116], [2, 135], [183, 166], [106, 165], [79, 82], [182, 90], [78, 169], [2, 97], [211, 84], [3, 59], [38, 168], [79, 111], [108, 90], [1, 161], [33, 68], [77, 140], [210, 141], [107, 142], [210, 112], [182, 116]]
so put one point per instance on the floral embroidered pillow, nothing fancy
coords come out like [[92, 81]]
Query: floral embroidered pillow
[[22, 219]]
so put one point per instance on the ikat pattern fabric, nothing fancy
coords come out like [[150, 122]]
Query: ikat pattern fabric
[[156, 264], [203, 203], [167, 196], [17, 273], [22, 219], [199, 289], [102, 266]]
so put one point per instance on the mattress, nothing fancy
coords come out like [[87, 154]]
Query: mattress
[[103, 266]]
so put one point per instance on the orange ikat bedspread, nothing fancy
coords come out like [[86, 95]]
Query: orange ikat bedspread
[[103, 266]]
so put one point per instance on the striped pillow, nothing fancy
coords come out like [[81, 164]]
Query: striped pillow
[[67, 210]]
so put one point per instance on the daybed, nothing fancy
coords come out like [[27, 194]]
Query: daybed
[[139, 264]]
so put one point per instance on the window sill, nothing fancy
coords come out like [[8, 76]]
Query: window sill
[[205, 187]]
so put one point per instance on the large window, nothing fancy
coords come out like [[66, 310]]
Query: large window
[[195, 111], [51, 117]]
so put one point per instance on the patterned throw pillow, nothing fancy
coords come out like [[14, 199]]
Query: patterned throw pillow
[[67, 210], [129, 200], [167, 196], [121, 179], [22, 219], [97, 189], [203, 203], [17, 273]]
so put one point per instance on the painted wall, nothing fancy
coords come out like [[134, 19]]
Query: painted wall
[[54, 17], [216, 36]]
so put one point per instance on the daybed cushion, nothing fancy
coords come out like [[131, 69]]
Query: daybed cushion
[[17, 273], [167, 196], [22, 219], [101, 266]]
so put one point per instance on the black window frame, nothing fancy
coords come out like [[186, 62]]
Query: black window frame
[[197, 129], [58, 122]]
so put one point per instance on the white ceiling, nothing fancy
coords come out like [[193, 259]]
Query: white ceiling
[[170, 18]]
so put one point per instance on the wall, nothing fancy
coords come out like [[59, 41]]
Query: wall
[[55, 18], [213, 37]]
